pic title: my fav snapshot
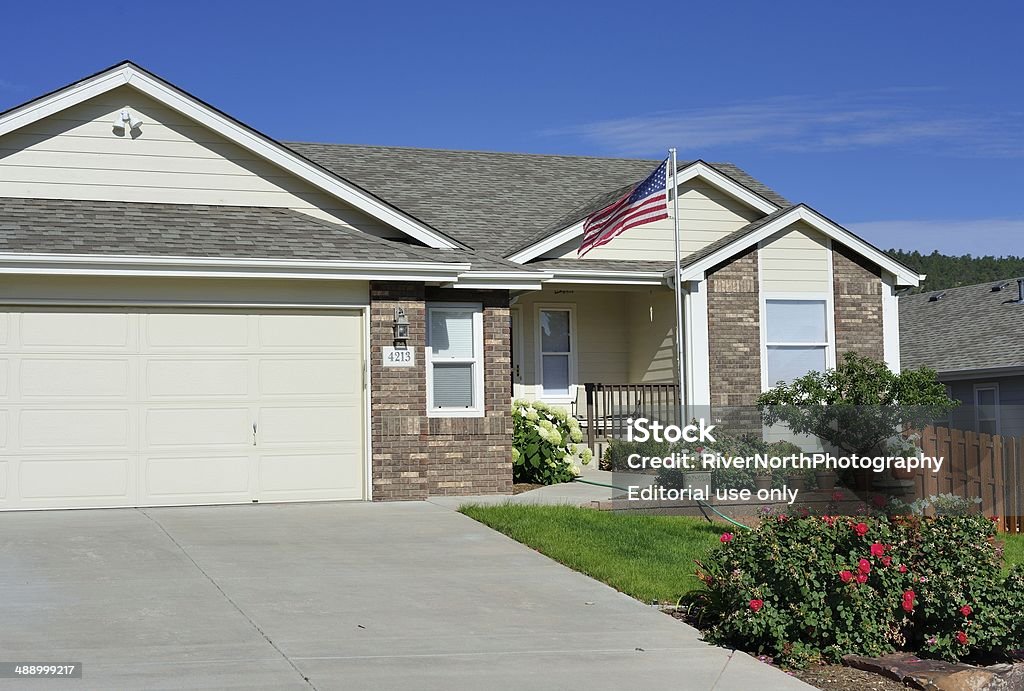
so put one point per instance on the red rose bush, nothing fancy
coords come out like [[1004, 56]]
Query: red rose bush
[[803, 590]]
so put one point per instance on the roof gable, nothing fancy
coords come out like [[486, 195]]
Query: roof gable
[[695, 266], [570, 226], [260, 146]]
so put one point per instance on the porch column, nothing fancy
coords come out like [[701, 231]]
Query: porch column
[[697, 349]]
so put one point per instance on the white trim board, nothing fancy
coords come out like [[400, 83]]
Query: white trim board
[[206, 267], [249, 139], [890, 322], [697, 169], [591, 276], [904, 276]]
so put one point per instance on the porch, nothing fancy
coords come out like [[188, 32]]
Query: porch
[[605, 353]]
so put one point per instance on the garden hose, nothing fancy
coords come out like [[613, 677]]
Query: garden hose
[[700, 503]]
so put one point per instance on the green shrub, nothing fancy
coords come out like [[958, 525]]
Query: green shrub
[[545, 444], [722, 477], [618, 450], [808, 589]]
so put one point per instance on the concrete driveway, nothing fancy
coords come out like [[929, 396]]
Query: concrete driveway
[[328, 596]]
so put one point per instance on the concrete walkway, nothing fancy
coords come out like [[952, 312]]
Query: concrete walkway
[[573, 493], [329, 596]]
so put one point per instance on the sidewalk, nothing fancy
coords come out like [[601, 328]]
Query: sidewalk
[[572, 493]]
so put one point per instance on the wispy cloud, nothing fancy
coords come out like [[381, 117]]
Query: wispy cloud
[[889, 117], [994, 236], [9, 86]]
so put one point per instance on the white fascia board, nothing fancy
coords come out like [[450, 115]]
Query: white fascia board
[[904, 276], [229, 129], [501, 280], [980, 373], [210, 267], [593, 277], [698, 169]]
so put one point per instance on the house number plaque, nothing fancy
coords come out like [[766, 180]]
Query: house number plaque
[[398, 357]]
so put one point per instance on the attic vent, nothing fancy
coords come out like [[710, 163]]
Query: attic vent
[[1020, 291], [997, 288], [936, 297]]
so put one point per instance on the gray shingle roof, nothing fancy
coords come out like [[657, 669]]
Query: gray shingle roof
[[492, 201], [969, 328], [481, 261], [54, 226], [600, 265]]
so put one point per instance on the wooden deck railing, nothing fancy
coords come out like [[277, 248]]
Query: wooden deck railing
[[609, 406]]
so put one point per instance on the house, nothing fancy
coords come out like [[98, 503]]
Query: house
[[973, 336], [196, 313]]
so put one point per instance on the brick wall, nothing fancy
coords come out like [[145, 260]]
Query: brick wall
[[857, 290], [734, 331], [414, 456]]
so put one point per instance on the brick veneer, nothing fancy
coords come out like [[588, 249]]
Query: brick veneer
[[857, 290], [734, 332], [414, 456]]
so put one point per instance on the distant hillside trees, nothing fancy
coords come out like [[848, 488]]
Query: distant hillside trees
[[946, 271]]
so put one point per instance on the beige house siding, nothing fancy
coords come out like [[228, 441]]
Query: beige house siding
[[705, 214], [74, 154], [796, 261], [652, 325]]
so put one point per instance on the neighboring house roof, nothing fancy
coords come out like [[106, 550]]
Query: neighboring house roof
[[968, 328], [497, 201]]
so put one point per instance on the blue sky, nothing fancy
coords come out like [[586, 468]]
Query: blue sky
[[903, 121]]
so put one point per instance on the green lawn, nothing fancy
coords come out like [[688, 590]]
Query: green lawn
[[1014, 552], [648, 557]]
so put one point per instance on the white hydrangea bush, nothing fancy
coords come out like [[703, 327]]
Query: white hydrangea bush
[[547, 444]]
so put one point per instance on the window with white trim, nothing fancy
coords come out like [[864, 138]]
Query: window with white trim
[[986, 408], [454, 359], [557, 351], [796, 338]]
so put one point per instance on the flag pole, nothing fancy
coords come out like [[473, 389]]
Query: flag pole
[[677, 284]]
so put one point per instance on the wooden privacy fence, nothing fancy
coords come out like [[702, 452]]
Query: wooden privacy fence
[[977, 465]]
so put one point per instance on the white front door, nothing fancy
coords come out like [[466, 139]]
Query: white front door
[[108, 407]]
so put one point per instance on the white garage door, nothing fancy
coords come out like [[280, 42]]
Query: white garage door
[[152, 408]]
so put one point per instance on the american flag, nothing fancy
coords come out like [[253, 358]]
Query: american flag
[[644, 203]]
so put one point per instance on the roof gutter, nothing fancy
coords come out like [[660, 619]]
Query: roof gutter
[[501, 280], [210, 267], [955, 375], [599, 277]]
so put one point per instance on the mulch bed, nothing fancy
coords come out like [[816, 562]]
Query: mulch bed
[[826, 677], [521, 487], [839, 678]]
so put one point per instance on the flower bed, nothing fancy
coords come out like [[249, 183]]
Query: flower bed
[[804, 590]]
